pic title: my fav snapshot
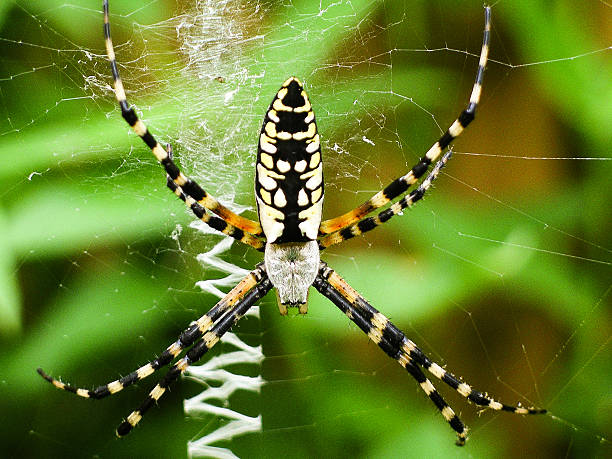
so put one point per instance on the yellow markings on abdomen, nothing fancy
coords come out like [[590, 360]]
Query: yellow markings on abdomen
[[316, 194], [302, 198], [312, 130], [267, 177], [316, 179], [283, 166], [266, 160], [279, 198], [314, 160], [312, 220], [266, 196], [266, 142], [270, 218], [304, 108]]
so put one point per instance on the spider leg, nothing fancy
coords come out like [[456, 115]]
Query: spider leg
[[189, 336], [343, 298], [395, 344], [209, 339], [369, 223], [400, 185], [211, 220], [188, 186]]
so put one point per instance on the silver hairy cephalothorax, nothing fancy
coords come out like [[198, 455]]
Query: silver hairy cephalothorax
[[292, 268]]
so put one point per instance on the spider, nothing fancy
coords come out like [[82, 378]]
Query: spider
[[289, 195]]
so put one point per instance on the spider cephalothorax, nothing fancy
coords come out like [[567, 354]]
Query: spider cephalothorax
[[289, 195], [292, 268]]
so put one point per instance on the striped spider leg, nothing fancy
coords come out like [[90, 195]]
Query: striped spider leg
[[214, 222], [369, 223], [240, 228], [348, 225], [395, 344], [202, 335]]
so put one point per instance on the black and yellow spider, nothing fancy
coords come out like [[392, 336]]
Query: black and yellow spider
[[289, 194]]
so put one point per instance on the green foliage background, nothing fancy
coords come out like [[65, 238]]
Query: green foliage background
[[91, 285]]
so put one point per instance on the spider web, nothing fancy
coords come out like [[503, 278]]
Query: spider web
[[503, 273]]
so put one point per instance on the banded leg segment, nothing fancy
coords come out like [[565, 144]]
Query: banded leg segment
[[211, 220], [215, 222], [400, 185], [189, 336], [343, 297], [370, 223], [188, 186], [412, 351], [209, 339], [391, 340]]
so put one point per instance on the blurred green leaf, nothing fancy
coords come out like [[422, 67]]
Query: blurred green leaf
[[10, 311]]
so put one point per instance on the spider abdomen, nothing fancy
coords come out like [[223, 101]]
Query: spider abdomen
[[289, 174]]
